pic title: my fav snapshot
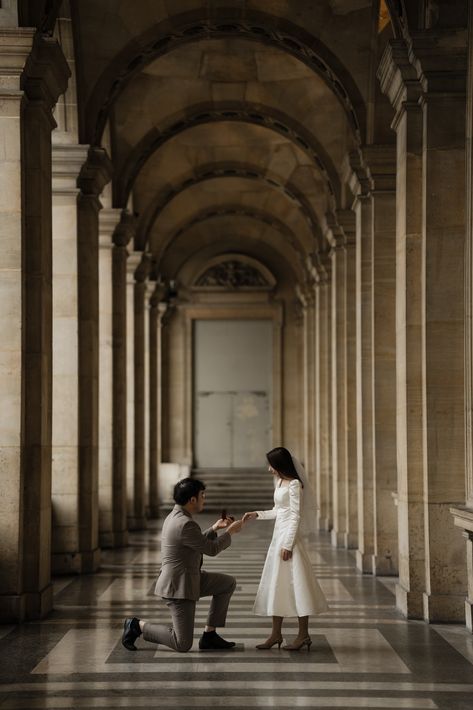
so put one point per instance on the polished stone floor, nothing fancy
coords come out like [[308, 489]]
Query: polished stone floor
[[364, 655]]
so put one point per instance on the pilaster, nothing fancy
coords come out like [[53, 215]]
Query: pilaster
[[425, 82], [347, 221], [94, 175], [122, 236], [108, 220], [364, 362], [67, 161], [380, 163], [34, 73], [463, 515], [336, 239]]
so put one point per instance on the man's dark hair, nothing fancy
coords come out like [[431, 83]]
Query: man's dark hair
[[186, 489]]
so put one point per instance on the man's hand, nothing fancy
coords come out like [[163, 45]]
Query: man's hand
[[286, 554], [235, 527], [223, 523], [250, 516]]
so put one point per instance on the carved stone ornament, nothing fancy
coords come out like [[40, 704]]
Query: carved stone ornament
[[232, 275]]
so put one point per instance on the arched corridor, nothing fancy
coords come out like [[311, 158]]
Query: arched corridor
[[226, 227]]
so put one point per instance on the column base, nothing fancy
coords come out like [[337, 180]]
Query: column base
[[110, 538], [410, 604], [365, 562], [75, 562], [351, 541], [15, 608], [448, 608], [338, 539], [469, 614], [325, 524], [384, 566], [135, 523]]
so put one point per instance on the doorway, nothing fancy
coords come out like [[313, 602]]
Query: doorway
[[233, 375]]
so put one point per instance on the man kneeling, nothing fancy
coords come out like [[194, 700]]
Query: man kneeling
[[182, 582]]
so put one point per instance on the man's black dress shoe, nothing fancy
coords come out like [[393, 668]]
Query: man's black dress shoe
[[211, 640], [131, 631]]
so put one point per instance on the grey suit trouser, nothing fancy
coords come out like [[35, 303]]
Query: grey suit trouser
[[181, 634]]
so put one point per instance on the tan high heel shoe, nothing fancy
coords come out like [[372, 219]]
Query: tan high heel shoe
[[297, 646], [267, 644]]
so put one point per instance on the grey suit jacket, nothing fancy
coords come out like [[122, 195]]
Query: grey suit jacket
[[182, 545]]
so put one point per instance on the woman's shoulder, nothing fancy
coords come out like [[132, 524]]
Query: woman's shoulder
[[295, 484]]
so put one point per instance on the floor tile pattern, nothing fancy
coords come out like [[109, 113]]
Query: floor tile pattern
[[364, 654]]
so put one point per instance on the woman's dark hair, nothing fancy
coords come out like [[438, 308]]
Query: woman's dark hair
[[281, 460], [186, 489]]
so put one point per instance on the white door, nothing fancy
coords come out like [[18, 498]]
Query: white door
[[232, 392]]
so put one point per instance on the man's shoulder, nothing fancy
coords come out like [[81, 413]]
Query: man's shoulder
[[177, 519]]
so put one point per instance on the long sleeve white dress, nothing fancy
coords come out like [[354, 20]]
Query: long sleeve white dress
[[288, 588]]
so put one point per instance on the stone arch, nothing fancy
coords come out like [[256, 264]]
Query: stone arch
[[232, 211], [227, 170], [269, 256], [192, 26], [230, 111]]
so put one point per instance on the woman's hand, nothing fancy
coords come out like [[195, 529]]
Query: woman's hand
[[286, 554], [250, 516]]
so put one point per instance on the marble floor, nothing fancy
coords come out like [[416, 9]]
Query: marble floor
[[364, 654]]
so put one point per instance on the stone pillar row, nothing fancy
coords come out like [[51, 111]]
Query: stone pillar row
[[63, 350], [390, 343], [389, 360], [429, 122]]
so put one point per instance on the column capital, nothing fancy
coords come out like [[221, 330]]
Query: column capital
[[132, 263], [439, 57], [144, 267], [397, 76], [67, 162], [46, 72], [380, 164], [125, 230], [347, 221], [305, 296], [325, 267], [357, 175], [333, 232], [96, 172], [108, 220]]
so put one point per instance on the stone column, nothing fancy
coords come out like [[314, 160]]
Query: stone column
[[133, 261], [122, 235], [107, 223], [149, 290], [94, 176], [67, 161], [29, 92], [364, 366], [347, 221], [324, 390], [463, 515], [381, 166], [304, 299], [138, 519], [156, 315], [430, 223], [443, 105], [336, 239]]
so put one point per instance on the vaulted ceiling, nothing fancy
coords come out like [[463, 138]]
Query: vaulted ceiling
[[229, 123]]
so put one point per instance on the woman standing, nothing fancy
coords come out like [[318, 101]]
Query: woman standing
[[288, 586]]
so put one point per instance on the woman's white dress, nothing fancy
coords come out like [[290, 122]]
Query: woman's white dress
[[288, 588]]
